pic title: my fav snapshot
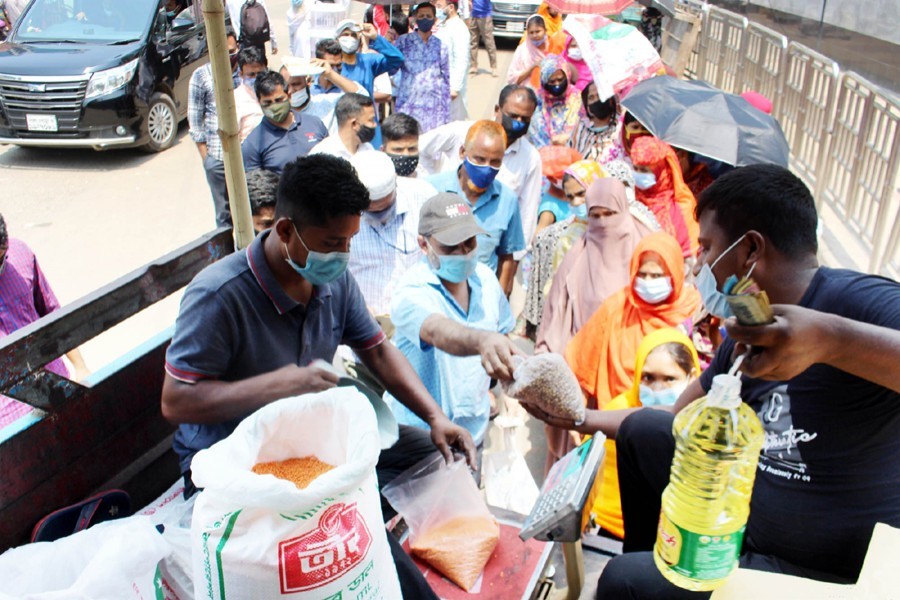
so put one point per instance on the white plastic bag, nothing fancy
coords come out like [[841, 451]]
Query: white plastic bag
[[546, 381], [450, 527], [258, 537], [114, 560], [173, 513], [508, 483]]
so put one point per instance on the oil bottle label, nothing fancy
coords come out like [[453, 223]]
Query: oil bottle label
[[696, 555]]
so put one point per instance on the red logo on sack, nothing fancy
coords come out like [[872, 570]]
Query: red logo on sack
[[322, 555]]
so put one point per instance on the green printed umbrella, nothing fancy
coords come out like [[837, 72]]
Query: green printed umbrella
[[696, 116]]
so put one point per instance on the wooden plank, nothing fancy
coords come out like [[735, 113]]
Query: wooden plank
[[55, 334]]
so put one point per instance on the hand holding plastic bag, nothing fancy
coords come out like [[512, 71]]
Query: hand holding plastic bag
[[547, 382]]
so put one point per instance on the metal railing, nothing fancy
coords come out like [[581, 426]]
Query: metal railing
[[844, 132]]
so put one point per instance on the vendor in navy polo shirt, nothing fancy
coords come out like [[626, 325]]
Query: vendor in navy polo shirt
[[282, 135], [251, 323]]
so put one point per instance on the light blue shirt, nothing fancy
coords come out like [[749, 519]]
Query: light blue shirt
[[497, 211], [459, 384]]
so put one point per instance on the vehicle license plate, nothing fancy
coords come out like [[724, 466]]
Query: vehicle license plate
[[515, 26], [41, 122]]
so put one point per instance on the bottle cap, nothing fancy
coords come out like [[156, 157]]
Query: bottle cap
[[725, 391]]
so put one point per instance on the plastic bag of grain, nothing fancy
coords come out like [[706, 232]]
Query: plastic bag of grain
[[546, 381], [450, 526], [261, 536]]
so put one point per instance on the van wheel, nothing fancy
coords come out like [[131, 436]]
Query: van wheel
[[162, 123]]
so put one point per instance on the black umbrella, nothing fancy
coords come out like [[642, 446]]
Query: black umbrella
[[696, 116], [666, 7]]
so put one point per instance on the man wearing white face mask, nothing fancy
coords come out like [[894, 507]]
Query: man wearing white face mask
[[385, 247], [452, 317]]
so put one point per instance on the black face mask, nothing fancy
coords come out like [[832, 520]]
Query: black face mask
[[601, 109], [404, 165], [558, 89], [365, 134], [514, 129]]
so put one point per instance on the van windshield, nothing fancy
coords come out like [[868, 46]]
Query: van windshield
[[103, 21]]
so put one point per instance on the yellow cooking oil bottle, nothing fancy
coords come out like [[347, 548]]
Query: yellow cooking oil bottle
[[705, 506]]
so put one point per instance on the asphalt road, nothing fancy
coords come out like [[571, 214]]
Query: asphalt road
[[92, 217]]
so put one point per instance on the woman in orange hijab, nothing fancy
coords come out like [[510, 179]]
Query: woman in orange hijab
[[660, 185], [602, 355]]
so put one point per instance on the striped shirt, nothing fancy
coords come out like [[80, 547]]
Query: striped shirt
[[381, 253], [25, 297], [202, 117]]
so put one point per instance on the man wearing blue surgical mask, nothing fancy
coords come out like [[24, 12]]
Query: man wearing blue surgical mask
[[251, 324], [521, 168], [494, 205], [453, 303]]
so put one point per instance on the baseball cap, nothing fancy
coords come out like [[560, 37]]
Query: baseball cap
[[449, 219], [347, 24]]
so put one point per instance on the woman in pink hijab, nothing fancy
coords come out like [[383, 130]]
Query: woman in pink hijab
[[595, 267]]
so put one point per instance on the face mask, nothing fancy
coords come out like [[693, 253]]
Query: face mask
[[424, 25], [404, 165], [666, 397], [539, 42], [277, 112], [557, 90], [481, 176], [365, 134], [644, 181], [381, 216], [454, 268], [300, 98], [653, 291], [321, 268], [250, 82], [598, 128], [171, 14], [297, 3], [514, 128], [599, 109], [716, 302], [441, 15], [575, 54], [580, 211], [349, 44]]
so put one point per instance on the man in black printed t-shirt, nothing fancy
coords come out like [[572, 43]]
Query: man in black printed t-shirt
[[826, 392]]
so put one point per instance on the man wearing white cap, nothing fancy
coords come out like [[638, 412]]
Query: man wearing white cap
[[452, 317], [385, 246]]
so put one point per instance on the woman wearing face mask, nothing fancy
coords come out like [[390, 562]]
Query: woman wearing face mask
[[525, 67], [559, 105], [552, 243], [594, 268], [553, 21], [660, 186], [575, 57], [602, 354], [597, 136], [666, 363]]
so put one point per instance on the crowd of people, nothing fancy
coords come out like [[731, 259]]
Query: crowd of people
[[392, 244]]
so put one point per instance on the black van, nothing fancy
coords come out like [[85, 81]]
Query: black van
[[99, 73]]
